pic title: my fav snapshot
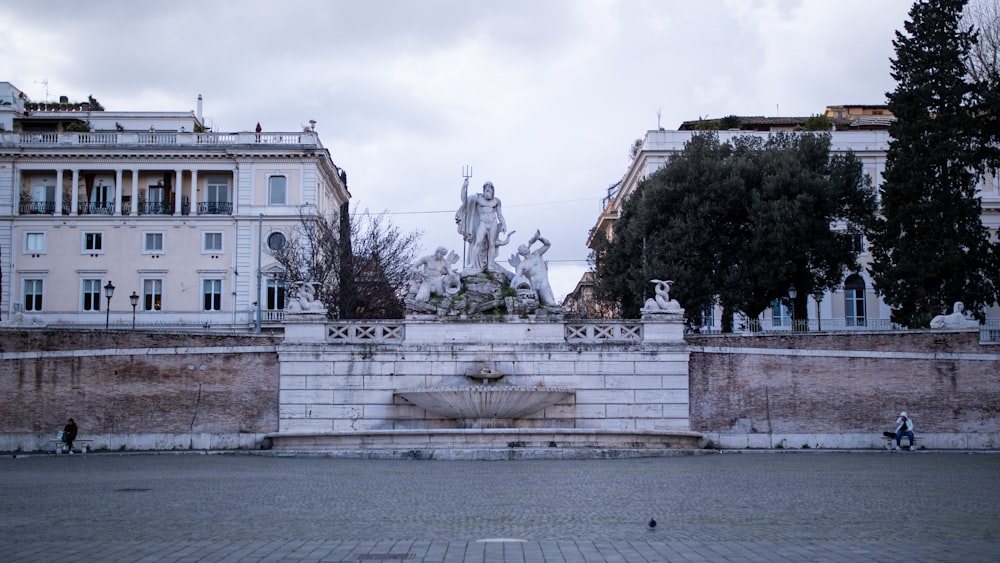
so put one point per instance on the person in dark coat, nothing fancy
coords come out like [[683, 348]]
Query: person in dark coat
[[69, 434]]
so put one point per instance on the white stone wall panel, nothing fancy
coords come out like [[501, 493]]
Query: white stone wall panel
[[668, 367], [664, 396], [304, 425], [292, 382], [305, 397], [632, 382], [352, 386], [623, 396]]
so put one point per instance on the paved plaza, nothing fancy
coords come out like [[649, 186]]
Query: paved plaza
[[761, 506]]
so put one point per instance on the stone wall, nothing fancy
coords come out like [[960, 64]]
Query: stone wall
[[137, 390], [351, 385], [844, 390], [158, 390]]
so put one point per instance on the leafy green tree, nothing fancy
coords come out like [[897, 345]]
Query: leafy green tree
[[804, 208], [734, 224], [818, 123], [929, 245]]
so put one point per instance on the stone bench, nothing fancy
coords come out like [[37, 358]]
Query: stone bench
[[890, 441], [83, 445]]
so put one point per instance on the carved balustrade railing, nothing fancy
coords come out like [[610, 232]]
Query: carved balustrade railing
[[365, 333], [625, 331]]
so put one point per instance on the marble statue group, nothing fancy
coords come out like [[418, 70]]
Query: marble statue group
[[488, 285], [662, 303], [482, 286]]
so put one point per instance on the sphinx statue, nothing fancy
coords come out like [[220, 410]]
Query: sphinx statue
[[956, 319]]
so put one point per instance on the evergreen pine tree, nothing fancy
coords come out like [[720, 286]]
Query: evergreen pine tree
[[929, 245]]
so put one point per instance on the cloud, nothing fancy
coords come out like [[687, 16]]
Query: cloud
[[542, 98]]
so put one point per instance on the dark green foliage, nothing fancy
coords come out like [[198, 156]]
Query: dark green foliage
[[78, 127], [735, 224], [720, 124], [929, 245], [818, 123]]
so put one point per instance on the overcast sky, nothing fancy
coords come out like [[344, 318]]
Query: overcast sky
[[542, 97]]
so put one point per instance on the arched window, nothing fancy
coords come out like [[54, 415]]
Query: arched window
[[854, 300]]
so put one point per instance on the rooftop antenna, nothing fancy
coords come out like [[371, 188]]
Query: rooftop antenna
[[659, 114], [44, 82]]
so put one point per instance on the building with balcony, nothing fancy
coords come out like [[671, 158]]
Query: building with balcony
[[178, 218], [862, 129]]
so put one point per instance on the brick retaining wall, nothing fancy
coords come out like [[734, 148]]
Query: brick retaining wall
[[119, 385], [175, 388], [845, 383]]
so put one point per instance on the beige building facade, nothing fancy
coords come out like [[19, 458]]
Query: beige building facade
[[180, 220]]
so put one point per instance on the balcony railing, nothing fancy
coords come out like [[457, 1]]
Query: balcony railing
[[272, 316], [215, 208], [95, 208], [37, 208], [108, 208], [141, 138], [155, 208]]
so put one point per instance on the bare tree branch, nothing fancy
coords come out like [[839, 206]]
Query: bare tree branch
[[361, 265], [984, 59]]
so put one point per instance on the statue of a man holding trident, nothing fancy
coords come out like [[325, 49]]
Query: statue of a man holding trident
[[480, 222]]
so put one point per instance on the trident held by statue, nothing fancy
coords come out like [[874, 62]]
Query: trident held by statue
[[466, 172]]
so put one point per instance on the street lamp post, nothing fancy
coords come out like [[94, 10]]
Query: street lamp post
[[109, 290], [792, 293], [134, 298]]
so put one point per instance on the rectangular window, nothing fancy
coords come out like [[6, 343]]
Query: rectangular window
[[275, 295], [212, 295], [34, 243], [216, 197], [277, 186], [32, 295], [217, 190], [780, 314], [42, 198], [156, 193], [157, 200], [708, 317], [854, 307], [91, 295], [212, 242], [93, 243], [100, 197], [152, 242], [152, 295], [858, 243]]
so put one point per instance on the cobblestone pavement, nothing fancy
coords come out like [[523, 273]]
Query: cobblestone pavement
[[789, 506]]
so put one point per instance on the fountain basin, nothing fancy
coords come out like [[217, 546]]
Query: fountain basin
[[485, 406]]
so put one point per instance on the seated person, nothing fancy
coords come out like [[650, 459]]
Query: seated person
[[69, 435], [904, 427]]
